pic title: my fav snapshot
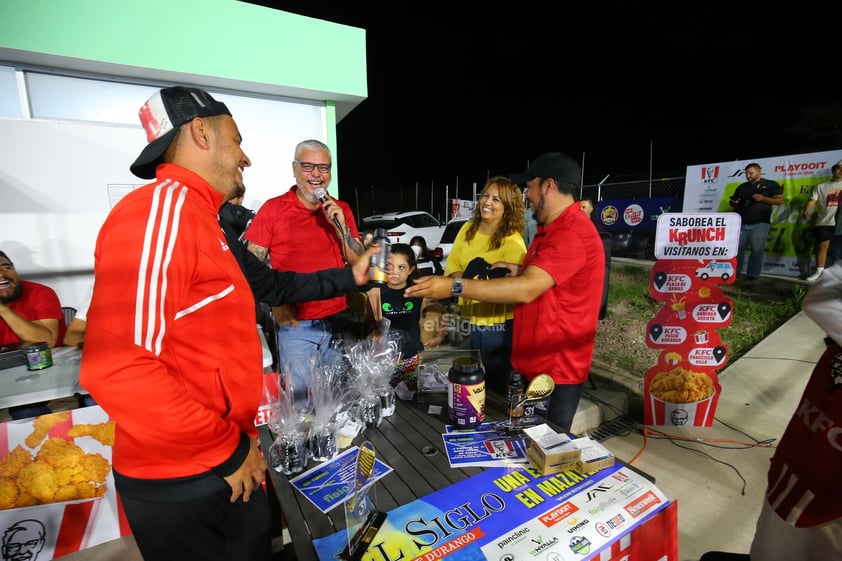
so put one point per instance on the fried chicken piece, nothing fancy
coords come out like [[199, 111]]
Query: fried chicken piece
[[64, 457], [42, 425], [103, 432], [95, 468], [14, 461], [39, 479], [88, 490], [77, 474], [8, 493]]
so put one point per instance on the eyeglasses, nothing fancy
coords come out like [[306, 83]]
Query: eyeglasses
[[309, 166], [15, 548]]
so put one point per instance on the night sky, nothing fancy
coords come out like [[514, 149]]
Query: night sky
[[612, 87]]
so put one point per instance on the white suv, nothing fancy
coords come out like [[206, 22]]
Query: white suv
[[449, 236], [401, 227]]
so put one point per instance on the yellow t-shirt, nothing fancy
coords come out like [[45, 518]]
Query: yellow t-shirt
[[512, 250]]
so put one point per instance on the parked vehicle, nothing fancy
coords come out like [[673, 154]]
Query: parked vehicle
[[639, 245], [632, 223], [403, 226], [449, 236]]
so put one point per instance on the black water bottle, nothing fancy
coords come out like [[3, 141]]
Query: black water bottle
[[514, 394], [378, 266]]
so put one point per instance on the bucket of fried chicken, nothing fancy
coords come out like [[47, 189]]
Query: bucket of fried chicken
[[681, 397], [56, 489]]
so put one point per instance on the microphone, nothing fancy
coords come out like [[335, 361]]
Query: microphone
[[321, 194]]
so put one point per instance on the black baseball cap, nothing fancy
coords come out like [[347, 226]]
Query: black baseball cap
[[161, 116], [552, 164]]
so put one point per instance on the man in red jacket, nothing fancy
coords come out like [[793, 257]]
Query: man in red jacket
[[171, 343]]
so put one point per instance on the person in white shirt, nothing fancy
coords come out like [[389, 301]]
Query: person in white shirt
[[825, 199]]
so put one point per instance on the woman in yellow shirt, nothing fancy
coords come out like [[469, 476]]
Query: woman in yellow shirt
[[494, 233]]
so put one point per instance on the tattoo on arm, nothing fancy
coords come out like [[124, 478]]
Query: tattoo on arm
[[258, 251], [355, 244]]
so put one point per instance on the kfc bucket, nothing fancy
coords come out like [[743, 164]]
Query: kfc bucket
[[681, 397], [57, 491]]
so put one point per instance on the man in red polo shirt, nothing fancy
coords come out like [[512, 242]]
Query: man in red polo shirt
[[557, 291], [304, 230], [29, 311]]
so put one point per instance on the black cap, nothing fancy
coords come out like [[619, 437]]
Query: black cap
[[552, 164], [161, 116]]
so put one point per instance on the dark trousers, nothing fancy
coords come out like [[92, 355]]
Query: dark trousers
[[563, 404], [29, 410], [495, 345], [209, 528], [835, 250]]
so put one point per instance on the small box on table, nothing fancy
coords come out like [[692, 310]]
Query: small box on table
[[594, 456], [549, 451]]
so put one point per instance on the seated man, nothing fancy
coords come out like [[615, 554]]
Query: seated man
[[75, 334], [30, 312], [75, 337]]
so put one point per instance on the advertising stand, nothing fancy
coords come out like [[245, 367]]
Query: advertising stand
[[696, 253]]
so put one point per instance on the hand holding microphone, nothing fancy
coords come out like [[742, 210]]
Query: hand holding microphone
[[321, 194]]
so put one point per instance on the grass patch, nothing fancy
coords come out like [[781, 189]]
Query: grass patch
[[758, 309]]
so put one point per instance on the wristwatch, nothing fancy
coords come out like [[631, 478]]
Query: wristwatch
[[456, 289]]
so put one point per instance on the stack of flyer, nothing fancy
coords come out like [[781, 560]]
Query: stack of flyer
[[483, 446]]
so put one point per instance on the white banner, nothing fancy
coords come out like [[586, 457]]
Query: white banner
[[461, 207], [790, 245]]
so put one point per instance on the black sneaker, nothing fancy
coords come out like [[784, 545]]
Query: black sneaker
[[751, 279]]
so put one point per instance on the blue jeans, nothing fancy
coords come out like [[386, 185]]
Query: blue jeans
[[752, 238], [495, 345], [296, 346]]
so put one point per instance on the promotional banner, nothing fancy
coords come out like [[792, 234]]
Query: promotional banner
[[695, 253], [634, 215], [790, 245], [56, 487], [461, 207], [508, 514]]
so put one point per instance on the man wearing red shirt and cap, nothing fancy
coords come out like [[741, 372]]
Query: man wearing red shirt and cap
[[557, 291]]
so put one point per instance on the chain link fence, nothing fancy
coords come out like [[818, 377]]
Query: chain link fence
[[436, 198]]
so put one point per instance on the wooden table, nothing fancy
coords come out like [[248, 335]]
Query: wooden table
[[19, 386], [409, 441]]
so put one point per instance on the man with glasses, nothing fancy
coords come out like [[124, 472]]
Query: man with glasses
[[556, 291], [305, 230]]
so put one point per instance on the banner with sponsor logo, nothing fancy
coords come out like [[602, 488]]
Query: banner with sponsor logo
[[696, 252], [516, 513], [790, 245], [461, 207], [634, 215]]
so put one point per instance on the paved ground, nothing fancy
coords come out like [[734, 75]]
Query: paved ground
[[717, 474]]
